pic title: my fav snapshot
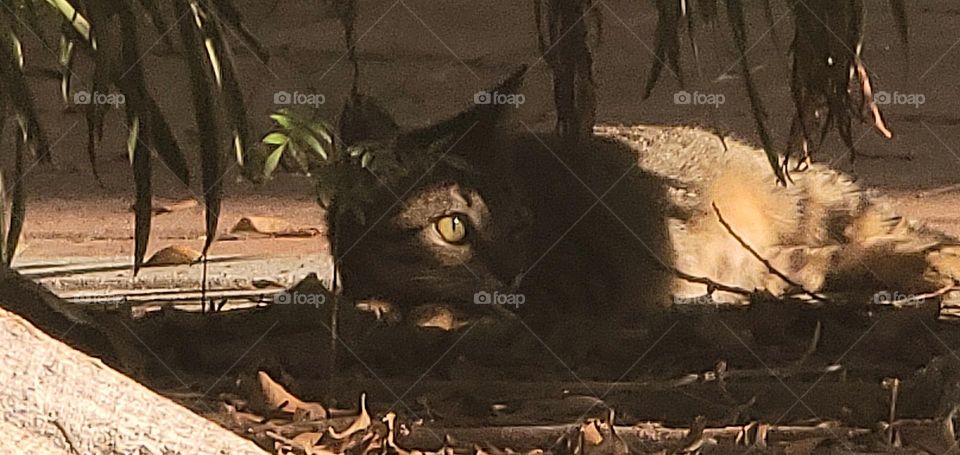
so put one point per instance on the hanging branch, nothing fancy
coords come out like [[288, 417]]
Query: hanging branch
[[668, 42], [564, 29], [826, 58], [346, 11]]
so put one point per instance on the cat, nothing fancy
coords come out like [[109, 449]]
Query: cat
[[477, 213]]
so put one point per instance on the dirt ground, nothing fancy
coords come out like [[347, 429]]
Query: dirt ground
[[425, 60]]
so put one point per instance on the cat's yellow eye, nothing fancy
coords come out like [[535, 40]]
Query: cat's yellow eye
[[452, 228]]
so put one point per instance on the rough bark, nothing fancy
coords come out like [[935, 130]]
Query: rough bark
[[55, 399]]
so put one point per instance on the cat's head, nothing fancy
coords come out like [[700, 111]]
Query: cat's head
[[440, 217]]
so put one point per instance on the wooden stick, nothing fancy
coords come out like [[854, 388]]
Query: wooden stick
[[649, 435]]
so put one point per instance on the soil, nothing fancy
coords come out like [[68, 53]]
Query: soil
[[425, 60]]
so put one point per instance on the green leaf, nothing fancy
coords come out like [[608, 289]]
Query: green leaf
[[214, 60], [270, 164], [322, 129], [133, 138], [355, 150], [17, 49], [312, 141], [276, 138], [281, 119], [65, 59], [80, 23]]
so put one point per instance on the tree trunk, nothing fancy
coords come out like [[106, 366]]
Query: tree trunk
[[55, 399]]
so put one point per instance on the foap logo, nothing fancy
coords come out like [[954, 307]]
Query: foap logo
[[314, 299], [97, 300], [499, 298], [892, 298], [697, 98], [511, 99], [909, 99], [704, 299], [107, 99], [285, 98]]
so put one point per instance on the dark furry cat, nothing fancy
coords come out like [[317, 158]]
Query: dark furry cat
[[471, 211]]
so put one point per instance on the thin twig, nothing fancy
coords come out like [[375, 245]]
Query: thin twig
[[765, 262], [917, 300], [711, 285]]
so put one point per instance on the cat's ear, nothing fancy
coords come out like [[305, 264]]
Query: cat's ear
[[473, 133], [364, 119]]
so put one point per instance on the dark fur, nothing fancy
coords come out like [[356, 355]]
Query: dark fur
[[537, 228]]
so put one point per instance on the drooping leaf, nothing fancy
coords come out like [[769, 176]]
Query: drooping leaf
[[739, 30], [227, 11], [20, 96], [133, 85], [193, 37], [772, 26], [156, 16], [564, 31], [73, 16], [346, 11], [232, 97], [106, 33], [143, 201], [688, 11], [826, 68], [3, 224], [144, 119], [18, 205], [165, 143], [65, 59], [708, 10], [667, 52]]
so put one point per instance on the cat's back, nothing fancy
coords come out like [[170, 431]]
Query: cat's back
[[820, 229]]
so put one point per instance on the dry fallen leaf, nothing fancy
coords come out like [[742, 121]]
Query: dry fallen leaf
[[391, 420], [307, 441], [590, 432], [161, 206], [382, 310], [360, 424], [279, 398], [274, 227], [174, 255], [437, 316]]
